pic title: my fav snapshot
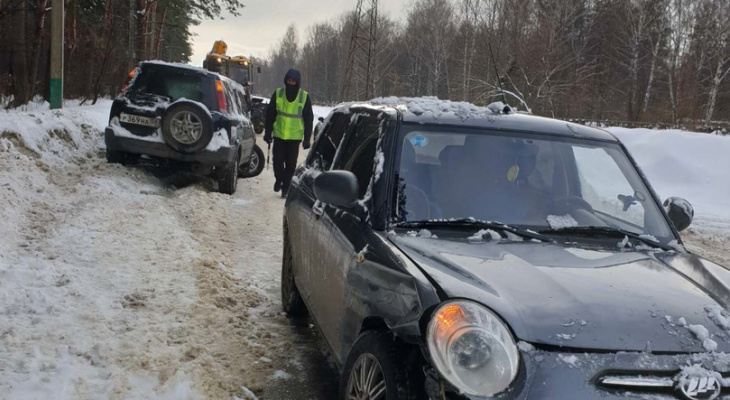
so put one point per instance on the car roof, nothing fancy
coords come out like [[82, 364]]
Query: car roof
[[433, 111], [188, 67]]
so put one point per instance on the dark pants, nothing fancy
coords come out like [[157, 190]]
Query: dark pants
[[286, 153]]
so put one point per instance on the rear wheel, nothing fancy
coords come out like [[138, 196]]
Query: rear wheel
[[115, 157], [377, 369], [255, 164], [291, 300], [229, 181], [120, 157]]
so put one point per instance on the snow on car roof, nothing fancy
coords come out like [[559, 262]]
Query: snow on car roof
[[432, 110], [177, 65]]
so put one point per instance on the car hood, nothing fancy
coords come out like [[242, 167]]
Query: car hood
[[579, 298]]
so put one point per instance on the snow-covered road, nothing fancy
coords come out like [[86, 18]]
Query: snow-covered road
[[115, 286]]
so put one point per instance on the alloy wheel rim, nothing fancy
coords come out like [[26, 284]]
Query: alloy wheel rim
[[254, 163], [366, 381], [186, 127]]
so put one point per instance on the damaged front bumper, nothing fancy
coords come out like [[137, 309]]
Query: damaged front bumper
[[561, 375]]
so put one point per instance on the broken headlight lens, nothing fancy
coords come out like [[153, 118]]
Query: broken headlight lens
[[472, 348]]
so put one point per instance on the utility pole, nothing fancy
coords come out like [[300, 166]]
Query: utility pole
[[56, 95], [361, 56]]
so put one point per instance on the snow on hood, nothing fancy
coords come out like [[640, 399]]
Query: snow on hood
[[622, 297]]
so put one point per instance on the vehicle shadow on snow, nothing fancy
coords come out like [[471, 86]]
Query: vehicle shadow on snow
[[172, 177], [312, 375]]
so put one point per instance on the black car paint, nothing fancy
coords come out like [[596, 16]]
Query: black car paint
[[399, 280], [556, 295], [335, 237], [240, 132]]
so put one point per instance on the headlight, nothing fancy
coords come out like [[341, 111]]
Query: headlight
[[472, 348]]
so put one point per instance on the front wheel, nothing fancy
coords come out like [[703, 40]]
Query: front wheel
[[255, 165], [377, 369], [291, 300]]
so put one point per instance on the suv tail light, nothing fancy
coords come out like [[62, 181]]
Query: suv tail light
[[221, 95], [129, 78]]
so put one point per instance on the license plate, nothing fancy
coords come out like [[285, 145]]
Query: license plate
[[139, 120]]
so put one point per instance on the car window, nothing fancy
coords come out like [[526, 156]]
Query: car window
[[231, 100], [603, 185], [326, 147], [359, 154], [174, 83]]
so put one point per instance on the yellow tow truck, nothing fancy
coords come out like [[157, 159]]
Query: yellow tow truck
[[238, 68]]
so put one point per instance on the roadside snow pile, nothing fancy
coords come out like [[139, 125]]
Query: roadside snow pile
[[54, 136], [113, 286], [685, 164]]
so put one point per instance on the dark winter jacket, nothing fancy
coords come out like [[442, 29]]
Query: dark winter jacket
[[291, 95]]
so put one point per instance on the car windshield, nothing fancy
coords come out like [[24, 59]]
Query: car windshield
[[239, 73], [539, 182]]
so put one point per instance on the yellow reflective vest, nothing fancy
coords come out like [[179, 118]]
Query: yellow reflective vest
[[289, 124]]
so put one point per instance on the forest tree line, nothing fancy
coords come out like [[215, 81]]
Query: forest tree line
[[621, 60], [103, 41]]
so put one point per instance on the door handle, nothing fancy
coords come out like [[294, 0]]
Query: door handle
[[318, 209]]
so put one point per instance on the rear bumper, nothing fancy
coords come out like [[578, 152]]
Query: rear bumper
[[222, 157]]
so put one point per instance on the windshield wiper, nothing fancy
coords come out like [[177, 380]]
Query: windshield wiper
[[475, 224], [603, 231]]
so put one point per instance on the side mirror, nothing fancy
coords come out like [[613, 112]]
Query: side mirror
[[338, 188], [680, 212], [321, 119]]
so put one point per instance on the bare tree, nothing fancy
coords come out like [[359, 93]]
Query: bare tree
[[714, 25], [431, 29]]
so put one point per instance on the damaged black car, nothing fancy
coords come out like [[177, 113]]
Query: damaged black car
[[448, 251]]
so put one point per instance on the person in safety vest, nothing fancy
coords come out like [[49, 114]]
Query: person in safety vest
[[289, 117]]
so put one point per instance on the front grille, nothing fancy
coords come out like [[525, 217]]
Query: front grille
[[690, 387]]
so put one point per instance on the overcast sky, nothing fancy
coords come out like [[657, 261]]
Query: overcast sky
[[262, 24]]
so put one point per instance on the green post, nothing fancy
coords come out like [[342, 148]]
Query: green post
[[56, 92], [56, 95]]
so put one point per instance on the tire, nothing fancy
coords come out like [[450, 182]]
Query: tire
[[398, 376], [255, 165], [229, 181], [115, 157], [258, 125], [291, 300], [187, 127]]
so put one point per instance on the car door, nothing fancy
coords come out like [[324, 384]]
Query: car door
[[243, 126], [303, 204], [338, 235]]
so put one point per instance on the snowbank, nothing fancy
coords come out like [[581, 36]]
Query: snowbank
[[113, 286], [685, 164]]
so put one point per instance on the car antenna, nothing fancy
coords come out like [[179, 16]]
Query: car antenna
[[499, 81]]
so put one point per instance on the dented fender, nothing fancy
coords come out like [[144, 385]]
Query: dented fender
[[385, 292]]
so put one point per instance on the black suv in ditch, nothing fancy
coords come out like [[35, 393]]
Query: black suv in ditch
[[447, 251], [186, 116]]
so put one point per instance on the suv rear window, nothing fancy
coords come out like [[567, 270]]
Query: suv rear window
[[176, 83]]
